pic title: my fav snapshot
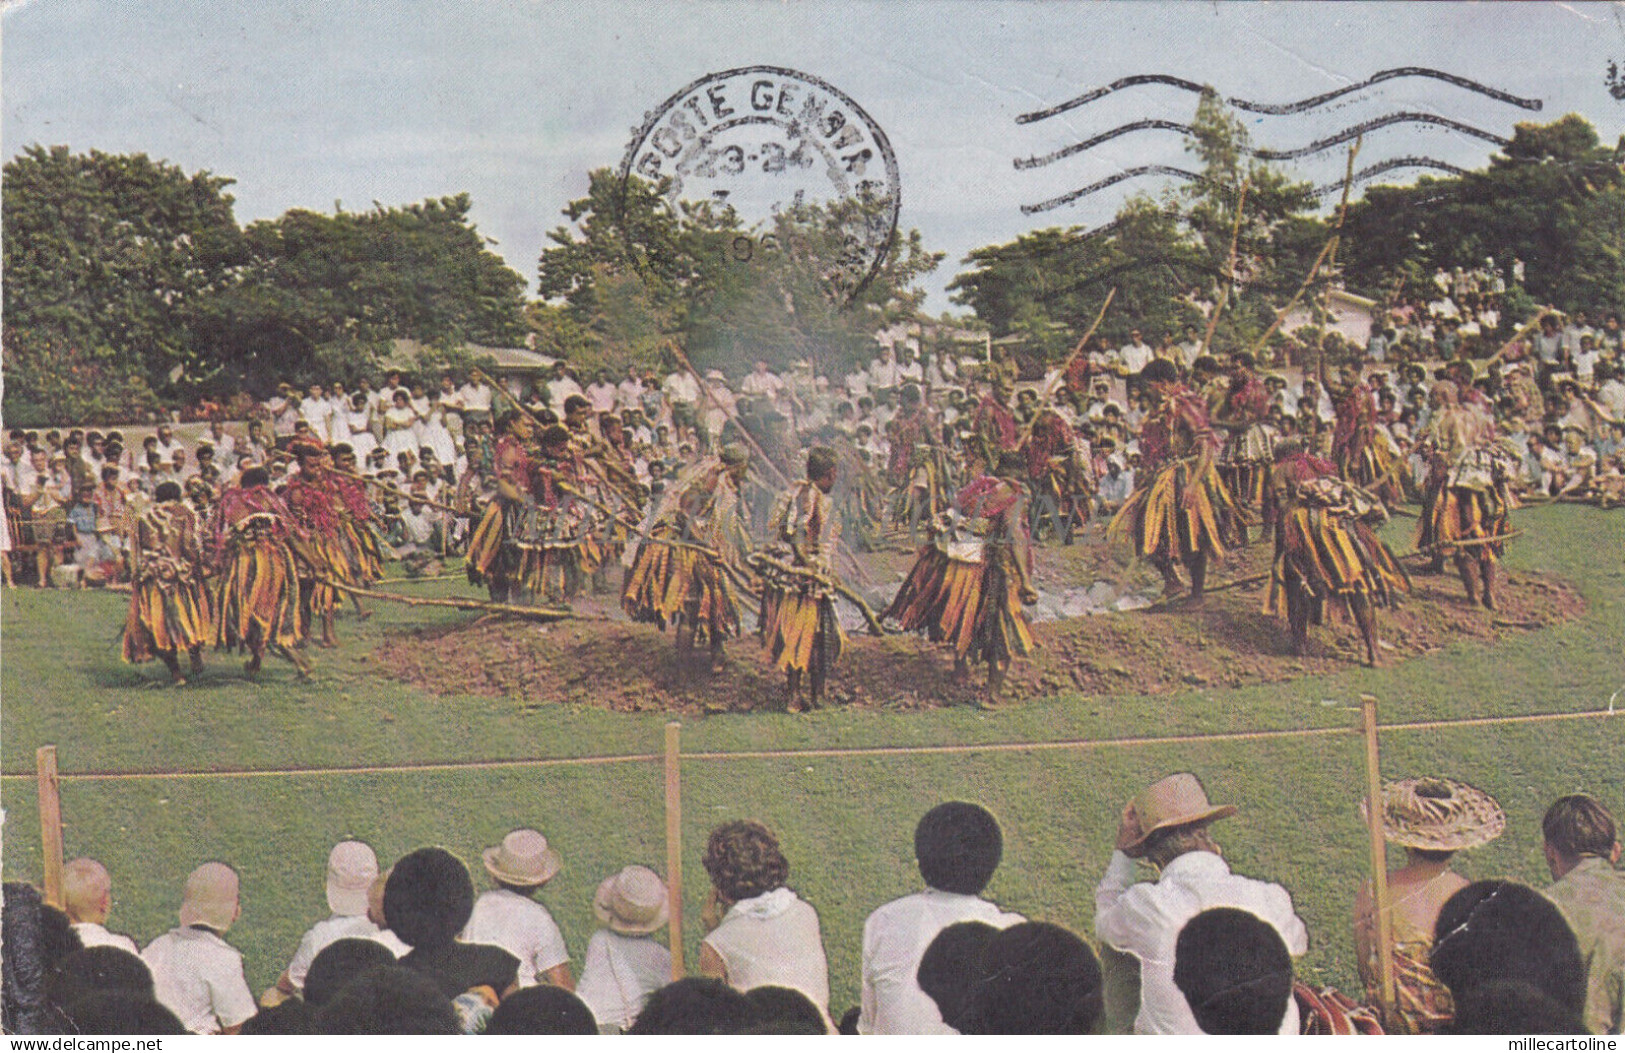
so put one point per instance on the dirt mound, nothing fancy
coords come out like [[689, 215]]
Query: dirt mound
[[1225, 643]]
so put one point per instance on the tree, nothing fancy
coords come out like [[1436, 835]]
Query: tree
[[1554, 198], [113, 252]]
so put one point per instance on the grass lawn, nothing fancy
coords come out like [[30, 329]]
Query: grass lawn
[[847, 822]]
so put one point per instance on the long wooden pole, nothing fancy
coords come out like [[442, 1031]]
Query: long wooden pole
[[1060, 374], [674, 847], [545, 614], [1379, 858], [1229, 270], [50, 822]]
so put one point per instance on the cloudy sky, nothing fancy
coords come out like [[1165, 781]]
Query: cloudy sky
[[311, 102]]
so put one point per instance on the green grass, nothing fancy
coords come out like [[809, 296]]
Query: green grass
[[846, 822]]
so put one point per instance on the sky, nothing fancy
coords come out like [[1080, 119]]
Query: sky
[[312, 103]]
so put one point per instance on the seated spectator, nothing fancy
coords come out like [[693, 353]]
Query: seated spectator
[[1432, 819], [1500, 931], [951, 965], [87, 894], [389, 1000], [761, 932], [96, 971], [1234, 972], [1581, 844], [427, 901], [122, 1013], [1167, 824], [35, 938], [1510, 1007], [1037, 979], [958, 847], [784, 1011], [624, 964], [340, 962], [351, 870], [290, 1017], [509, 917], [196, 974], [696, 1005], [543, 1010]]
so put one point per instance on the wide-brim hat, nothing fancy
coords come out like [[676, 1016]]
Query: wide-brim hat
[[352, 867], [523, 858], [1178, 800], [1441, 815], [633, 901]]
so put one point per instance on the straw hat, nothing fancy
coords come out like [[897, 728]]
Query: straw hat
[[1178, 800], [633, 901], [523, 858], [1438, 814]]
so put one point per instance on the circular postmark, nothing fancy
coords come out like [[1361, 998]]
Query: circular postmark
[[769, 141]]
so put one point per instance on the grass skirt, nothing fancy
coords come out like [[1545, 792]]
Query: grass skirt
[[1331, 558], [166, 616], [668, 581], [975, 607], [1156, 519], [258, 599], [1452, 514], [800, 629]]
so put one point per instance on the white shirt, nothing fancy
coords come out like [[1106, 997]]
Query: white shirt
[[602, 396], [895, 938], [199, 977], [619, 973], [1145, 919], [520, 926], [330, 931], [475, 398], [765, 385], [884, 374], [1136, 357], [630, 393], [561, 388], [94, 935], [773, 940], [682, 388]]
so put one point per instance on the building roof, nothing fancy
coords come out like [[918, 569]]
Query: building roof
[[407, 355]]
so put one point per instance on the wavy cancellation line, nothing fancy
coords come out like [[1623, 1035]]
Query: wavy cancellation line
[[1265, 153], [1299, 106], [1363, 175]]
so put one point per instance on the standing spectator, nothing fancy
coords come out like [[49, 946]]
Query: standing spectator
[[1582, 851], [624, 964], [1432, 819], [761, 932], [958, 846], [509, 917], [1167, 825], [1135, 355], [317, 411], [602, 392], [351, 870], [682, 391], [196, 974], [560, 386], [629, 392], [87, 895]]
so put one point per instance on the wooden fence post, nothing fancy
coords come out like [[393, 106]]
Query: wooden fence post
[[50, 822], [674, 847], [1379, 858]]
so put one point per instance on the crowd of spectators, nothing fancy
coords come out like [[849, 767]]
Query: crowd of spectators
[[1557, 392], [1185, 947]]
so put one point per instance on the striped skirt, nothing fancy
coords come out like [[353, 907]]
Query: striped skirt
[[800, 630], [1331, 559], [666, 581], [1156, 518], [1453, 514], [258, 597], [166, 617], [974, 607]]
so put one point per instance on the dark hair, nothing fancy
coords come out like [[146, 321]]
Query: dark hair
[[122, 1013], [820, 462], [388, 1000], [340, 962], [1500, 930], [505, 421], [695, 1005], [1578, 825], [168, 491], [95, 969], [256, 476], [575, 402], [1234, 971], [1159, 370], [1506, 1007], [293, 1017], [784, 1011], [1037, 979], [542, 1010], [743, 860], [951, 966], [36, 937], [428, 898], [958, 846]]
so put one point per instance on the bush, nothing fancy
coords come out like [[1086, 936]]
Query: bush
[[49, 380]]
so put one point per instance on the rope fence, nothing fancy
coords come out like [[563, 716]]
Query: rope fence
[[49, 780]]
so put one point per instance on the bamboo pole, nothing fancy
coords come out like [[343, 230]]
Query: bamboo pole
[[1060, 374], [50, 822], [1379, 859], [546, 614], [1230, 271], [674, 847]]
